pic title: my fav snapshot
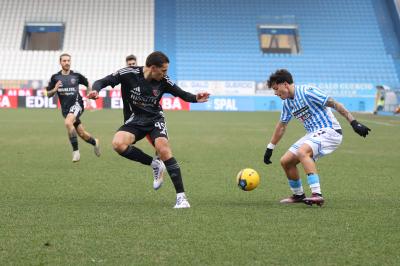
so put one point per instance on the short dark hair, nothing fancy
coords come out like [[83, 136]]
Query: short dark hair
[[156, 58], [130, 57], [280, 76], [65, 54]]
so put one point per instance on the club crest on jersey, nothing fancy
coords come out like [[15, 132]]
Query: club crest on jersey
[[156, 92], [73, 81]]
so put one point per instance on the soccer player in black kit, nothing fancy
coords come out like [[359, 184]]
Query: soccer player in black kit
[[66, 84], [142, 88]]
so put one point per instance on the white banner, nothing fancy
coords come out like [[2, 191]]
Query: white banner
[[218, 87]]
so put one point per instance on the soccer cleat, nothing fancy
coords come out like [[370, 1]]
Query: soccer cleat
[[97, 148], [294, 199], [76, 156], [181, 203], [314, 199], [158, 172]]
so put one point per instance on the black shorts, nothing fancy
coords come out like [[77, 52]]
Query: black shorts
[[157, 130], [76, 109]]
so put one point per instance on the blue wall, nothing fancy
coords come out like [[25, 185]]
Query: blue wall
[[272, 103], [165, 31]]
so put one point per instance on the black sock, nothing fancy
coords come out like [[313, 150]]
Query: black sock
[[135, 154], [91, 141], [174, 172], [74, 141]]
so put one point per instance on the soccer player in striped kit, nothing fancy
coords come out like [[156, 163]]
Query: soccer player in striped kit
[[312, 107]]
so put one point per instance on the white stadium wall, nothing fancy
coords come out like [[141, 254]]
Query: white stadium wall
[[98, 34]]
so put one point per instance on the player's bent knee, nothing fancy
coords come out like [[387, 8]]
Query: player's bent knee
[[163, 148], [68, 123], [287, 161], [119, 146], [164, 151], [284, 161]]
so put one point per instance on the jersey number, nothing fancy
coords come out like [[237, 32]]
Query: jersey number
[[162, 127]]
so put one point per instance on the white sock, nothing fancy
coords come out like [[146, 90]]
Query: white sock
[[315, 188], [298, 191]]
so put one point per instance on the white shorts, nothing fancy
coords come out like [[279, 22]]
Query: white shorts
[[322, 142]]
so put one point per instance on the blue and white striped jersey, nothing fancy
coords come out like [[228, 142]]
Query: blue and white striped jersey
[[308, 106]]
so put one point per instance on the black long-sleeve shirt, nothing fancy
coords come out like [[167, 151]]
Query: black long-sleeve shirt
[[141, 97]]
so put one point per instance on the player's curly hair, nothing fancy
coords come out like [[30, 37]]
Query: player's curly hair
[[156, 58], [280, 76]]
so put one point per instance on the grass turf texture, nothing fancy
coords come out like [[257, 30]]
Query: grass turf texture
[[103, 211]]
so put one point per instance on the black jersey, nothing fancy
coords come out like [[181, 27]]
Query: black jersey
[[142, 97], [68, 93]]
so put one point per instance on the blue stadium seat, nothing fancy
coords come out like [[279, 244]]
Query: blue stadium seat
[[341, 41]]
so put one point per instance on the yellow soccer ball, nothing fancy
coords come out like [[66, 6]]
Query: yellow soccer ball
[[248, 179]]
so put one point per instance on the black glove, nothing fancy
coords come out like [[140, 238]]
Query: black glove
[[359, 128], [267, 156]]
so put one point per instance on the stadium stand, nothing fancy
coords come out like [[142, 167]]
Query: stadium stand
[[98, 34], [341, 41]]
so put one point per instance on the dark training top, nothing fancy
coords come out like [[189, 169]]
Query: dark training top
[[68, 93], [141, 97]]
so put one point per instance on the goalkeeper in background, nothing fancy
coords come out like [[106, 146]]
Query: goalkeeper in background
[[313, 108]]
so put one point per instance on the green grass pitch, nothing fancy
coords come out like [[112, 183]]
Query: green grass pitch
[[103, 211]]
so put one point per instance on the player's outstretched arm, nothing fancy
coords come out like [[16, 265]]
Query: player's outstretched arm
[[202, 97], [175, 90], [359, 128], [98, 85], [279, 131], [93, 95]]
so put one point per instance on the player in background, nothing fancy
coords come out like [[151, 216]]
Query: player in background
[[312, 107], [66, 84], [131, 60], [142, 88]]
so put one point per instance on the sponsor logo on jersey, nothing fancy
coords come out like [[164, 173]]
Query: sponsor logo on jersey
[[136, 90], [67, 91], [302, 113]]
